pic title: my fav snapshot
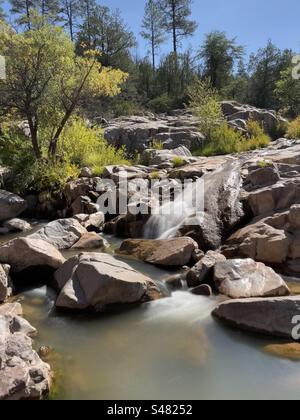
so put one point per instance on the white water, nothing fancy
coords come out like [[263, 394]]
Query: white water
[[183, 210]]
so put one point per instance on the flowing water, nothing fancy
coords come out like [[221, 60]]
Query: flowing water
[[196, 200], [168, 349]]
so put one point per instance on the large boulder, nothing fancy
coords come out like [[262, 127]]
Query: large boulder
[[23, 253], [273, 239], [62, 234], [247, 278], [5, 289], [138, 133], [23, 375], [11, 205], [235, 113], [276, 317], [94, 280], [203, 270], [175, 252]]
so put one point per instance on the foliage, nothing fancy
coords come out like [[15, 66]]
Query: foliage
[[265, 69], [225, 140], [294, 129], [288, 92], [155, 175], [157, 145], [46, 81], [84, 146], [176, 20], [80, 146], [152, 25], [106, 32], [122, 108], [219, 55], [161, 104], [178, 161], [205, 104]]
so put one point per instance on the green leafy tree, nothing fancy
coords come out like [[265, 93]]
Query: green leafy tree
[[288, 92], [204, 102], [265, 69], [107, 32], [46, 82], [219, 55], [176, 20], [152, 25]]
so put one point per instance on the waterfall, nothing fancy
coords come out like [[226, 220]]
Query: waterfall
[[220, 188]]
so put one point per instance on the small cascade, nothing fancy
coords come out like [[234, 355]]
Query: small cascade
[[221, 197]]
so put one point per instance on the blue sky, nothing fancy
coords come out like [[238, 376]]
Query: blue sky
[[253, 22]]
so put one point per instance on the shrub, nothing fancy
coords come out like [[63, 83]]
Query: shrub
[[161, 104], [85, 146], [226, 140], [294, 129], [80, 146], [204, 102], [124, 108], [157, 145], [178, 161], [155, 175]]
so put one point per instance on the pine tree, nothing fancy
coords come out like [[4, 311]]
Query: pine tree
[[220, 55], [23, 9], [70, 10], [2, 13], [176, 20], [49, 9], [152, 25]]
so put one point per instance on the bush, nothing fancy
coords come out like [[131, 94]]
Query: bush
[[157, 145], [294, 129], [161, 104], [79, 146], [204, 102], [123, 108], [178, 162], [226, 141], [85, 146]]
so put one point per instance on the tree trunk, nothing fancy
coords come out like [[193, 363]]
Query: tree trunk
[[28, 14], [34, 137], [174, 29]]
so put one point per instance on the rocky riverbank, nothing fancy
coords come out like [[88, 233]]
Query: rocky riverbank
[[244, 245]]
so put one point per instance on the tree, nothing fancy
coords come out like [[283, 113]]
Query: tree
[[176, 20], [70, 12], [106, 32], [288, 92], [219, 55], [265, 69], [152, 26], [2, 13], [87, 11], [205, 104], [23, 8], [46, 82], [49, 9]]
